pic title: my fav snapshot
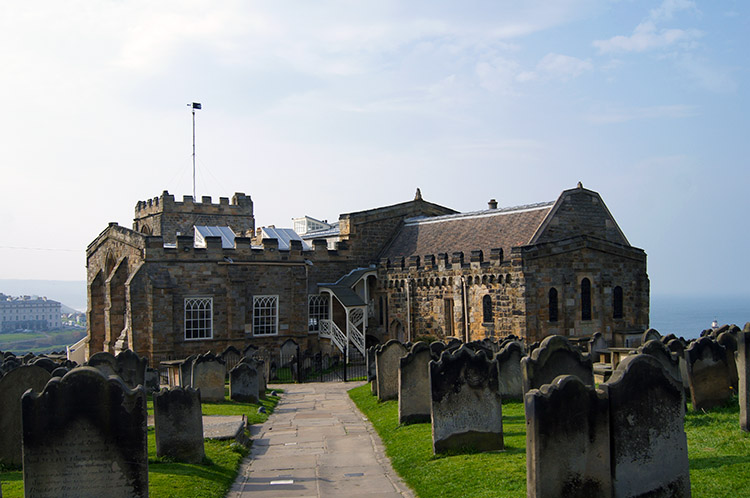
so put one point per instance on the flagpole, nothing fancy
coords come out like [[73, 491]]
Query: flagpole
[[195, 106]]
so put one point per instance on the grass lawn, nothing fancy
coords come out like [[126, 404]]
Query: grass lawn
[[212, 478], [718, 450]]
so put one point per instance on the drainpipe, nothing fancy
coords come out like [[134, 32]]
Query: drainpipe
[[408, 310], [466, 309]]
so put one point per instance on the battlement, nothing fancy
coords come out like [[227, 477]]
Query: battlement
[[241, 204], [243, 252], [444, 261]]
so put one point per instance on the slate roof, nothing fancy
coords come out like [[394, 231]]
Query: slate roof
[[342, 289], [489, 229]]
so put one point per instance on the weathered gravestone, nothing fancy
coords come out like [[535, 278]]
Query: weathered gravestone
[[373, 365], [436, 349], [85, 436], [567, 440], [743, 369], [386, 369], [104, 362], [467, 411], [186, 371], [208, 375], [647, 433], [178, 424], [153, 380], [44, 362], [509, 377], [260, 367], [244, 383], [555, 356], [131, 368], [708, 373], [12, 386], [677, 347], [597, 344], [661, 352], [729, 341], [231, 356], [59, 372], [650, 335], [414, 385], [288, 352], [370, 363]]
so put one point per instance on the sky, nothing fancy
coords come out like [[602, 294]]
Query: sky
[[322, 108]]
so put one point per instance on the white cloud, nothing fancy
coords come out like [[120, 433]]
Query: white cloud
[[648, 35], [557, 66], [498, 75]]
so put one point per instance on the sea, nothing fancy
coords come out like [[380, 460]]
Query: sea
[[687, 316]]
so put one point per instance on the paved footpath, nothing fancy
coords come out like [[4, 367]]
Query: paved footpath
[[317, 443]]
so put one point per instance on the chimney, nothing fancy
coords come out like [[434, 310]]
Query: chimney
[[492, 204]]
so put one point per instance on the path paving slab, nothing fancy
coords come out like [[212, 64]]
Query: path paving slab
[[317, 444]]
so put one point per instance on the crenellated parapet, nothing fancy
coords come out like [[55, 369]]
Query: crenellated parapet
[[169, 218]]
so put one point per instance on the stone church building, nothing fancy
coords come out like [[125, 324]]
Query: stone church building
[[196, 276]]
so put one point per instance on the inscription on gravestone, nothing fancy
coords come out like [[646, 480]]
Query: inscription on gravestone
[[85, 436]]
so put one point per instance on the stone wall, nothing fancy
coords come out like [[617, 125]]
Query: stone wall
[[563, 265]]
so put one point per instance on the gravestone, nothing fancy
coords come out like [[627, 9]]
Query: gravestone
[[708, 373], [597, 344], [373, 365], [661, 352], [12, 386], [370, 363], [59, 372], [153, 380], [85, 436], [414, 385], [743, 369], [178, 424], [436, 349], [509, 377], [186, 371], [647, 434], [467, 410], [260, 367], [244, 383], [131, 368], [677, 347], [288, 352], [208, 375], [231, 357], [729, 341], [649, 335], [104, 362], [44, 362], [567, 440], [386, 369], [555, 356]]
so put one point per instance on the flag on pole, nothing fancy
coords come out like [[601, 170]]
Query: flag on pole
[[197, 105]]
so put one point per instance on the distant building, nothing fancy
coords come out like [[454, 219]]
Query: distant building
[[196, 276], [29, 313]]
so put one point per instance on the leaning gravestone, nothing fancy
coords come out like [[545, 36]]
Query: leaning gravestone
[[647, 433], [104, 362], [374, 382], [370, 363], [12, 386], [186, 371], [414, 385], [743, 369], [567, 440], [509, 377], [467, 411], [85, 436], [708, 373], [231, 356], [244, 383], [131, 368], [650, 335], [178, 424], [555, 356], [260, 366], [386, 369], [208, 375]]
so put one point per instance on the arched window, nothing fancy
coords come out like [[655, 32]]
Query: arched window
[[585, 299], [487, 309], [617, 302], [552, 299]]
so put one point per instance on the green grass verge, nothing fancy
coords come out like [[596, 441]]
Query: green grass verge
[[166, 479], [718, 450]]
